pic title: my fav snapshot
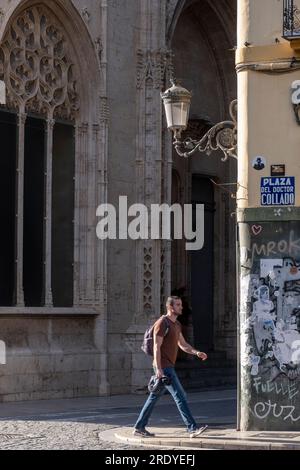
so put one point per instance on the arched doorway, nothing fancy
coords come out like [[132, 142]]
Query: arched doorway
[[202, 268], [201, 41]]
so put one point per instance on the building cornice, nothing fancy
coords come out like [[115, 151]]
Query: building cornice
[[268, 53]]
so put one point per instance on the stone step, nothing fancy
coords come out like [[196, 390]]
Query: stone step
[[199, 378], [195, 371], [212, 383], [227, 380], [213, 355], [214, 361]]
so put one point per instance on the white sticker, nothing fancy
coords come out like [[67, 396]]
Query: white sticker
[[267, 265], [259, 163]]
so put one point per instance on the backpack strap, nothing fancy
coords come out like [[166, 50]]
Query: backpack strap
[[167, 325]]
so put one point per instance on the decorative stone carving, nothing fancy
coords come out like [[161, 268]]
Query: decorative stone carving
[[1, 16], [104, 110], [36, 67], [152, 67], [99, 48], [86, 15]]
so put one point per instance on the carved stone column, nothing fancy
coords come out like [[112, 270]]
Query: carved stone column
[[48, 213], [100, 132], [81, 209], [20, 210], [150, 169], [151, 255], [76, 296]]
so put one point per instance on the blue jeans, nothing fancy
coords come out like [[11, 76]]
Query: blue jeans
[[179, 397]]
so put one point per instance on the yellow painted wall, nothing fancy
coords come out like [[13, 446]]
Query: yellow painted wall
[[267, 124]]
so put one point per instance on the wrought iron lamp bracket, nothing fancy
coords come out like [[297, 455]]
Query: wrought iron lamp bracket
[[222, 136]]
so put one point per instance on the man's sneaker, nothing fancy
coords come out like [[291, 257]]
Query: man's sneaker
[[198, 431], [142, 433]]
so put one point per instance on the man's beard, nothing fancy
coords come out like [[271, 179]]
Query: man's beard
[[177, 313]]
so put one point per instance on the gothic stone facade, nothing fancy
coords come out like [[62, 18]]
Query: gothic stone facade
[[83, 124]]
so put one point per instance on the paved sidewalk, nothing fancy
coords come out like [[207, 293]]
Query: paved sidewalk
[[213, 438], [106, 423]]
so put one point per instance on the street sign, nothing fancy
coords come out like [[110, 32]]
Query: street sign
[[278, 170], [277, 191]]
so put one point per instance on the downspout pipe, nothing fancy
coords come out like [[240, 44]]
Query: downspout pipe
[[270, 67]]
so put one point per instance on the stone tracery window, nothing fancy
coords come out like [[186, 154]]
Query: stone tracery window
[[36, 66], [40, 75]]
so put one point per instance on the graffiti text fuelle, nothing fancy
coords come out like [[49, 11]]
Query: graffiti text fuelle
[[279, 388]]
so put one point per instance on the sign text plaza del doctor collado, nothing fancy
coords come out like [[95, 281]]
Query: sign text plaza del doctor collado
[[277, 191]]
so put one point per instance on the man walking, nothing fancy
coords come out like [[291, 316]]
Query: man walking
[[165, 348]]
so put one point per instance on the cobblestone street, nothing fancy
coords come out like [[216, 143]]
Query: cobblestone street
[[85, 423], [38, 435]]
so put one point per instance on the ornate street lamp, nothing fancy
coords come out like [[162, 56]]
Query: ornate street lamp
[[221, 136]]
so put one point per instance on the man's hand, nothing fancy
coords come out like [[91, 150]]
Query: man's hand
[[202, 355], [159, 373]]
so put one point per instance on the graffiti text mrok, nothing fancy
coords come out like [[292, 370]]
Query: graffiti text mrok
[[289, 247]]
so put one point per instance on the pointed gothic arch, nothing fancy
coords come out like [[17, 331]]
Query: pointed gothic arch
[[52, 71], [222, 10], [201, 34], [60, 35]]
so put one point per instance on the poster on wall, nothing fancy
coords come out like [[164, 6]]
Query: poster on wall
[[270, 324]]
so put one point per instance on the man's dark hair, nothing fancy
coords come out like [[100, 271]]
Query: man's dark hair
[[171, 300]]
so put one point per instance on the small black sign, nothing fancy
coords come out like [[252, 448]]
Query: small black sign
[[278, 170]]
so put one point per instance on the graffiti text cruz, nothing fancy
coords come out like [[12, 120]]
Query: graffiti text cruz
[[263, 409], [268, 387], [290, 247]]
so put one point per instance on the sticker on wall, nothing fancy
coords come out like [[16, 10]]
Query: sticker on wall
[[277, 191], [259, 163], [278, 170], [267, 266], [273, 321]]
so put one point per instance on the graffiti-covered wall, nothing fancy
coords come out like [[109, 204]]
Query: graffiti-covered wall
[[270, 319]]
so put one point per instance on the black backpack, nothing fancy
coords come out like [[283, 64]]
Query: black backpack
[[147, 345]]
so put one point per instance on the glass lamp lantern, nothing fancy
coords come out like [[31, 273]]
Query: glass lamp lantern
[[221, 136], [177, 102]]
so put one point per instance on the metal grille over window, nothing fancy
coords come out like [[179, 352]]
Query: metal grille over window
[[291, 20]]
